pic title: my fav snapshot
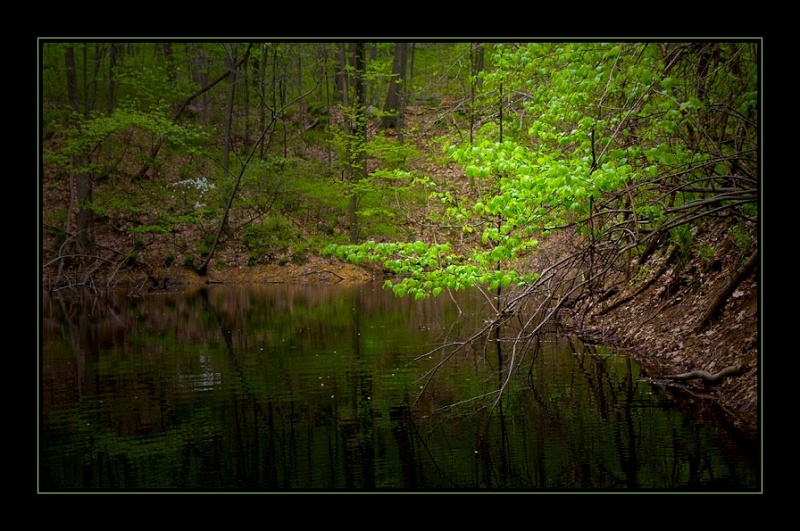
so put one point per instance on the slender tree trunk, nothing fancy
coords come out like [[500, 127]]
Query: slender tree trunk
[[169, 58], [328, 97], [90, 87], [479, 55], [112, 79], [80, 179], [198, 66], [410, 84], [262, 104], [245, 83], [358, 133], [476, 62], [226, 148], [371, 51], [301, 113], [341, 76]]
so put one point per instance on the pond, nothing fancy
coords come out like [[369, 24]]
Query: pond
[[307, 388]]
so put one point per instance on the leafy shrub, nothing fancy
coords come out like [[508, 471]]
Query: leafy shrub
[[706, 253], [682, 237], [266, 240]]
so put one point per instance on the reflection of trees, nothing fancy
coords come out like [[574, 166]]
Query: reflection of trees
[[357, 426], [87, 323], [212, 395], [401, 421], [278, 443], [245, 408], [614, 398]]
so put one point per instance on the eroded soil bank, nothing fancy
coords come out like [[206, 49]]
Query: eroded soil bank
[[664, 328]]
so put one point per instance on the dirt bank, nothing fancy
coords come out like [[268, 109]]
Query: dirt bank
[[661, 328]]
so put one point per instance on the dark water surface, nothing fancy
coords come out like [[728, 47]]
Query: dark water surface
[[318, 388]]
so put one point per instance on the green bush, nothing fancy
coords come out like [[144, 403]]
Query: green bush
[[270, 238]]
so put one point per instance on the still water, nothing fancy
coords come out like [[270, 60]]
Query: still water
[[328, 388]]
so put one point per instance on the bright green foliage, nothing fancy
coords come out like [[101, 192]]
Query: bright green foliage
[[614, 142], [594, 135], [429, 268]]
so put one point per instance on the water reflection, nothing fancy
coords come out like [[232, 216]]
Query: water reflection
[[304, 388]]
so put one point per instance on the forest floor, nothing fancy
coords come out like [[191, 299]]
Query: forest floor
[[658, 327]]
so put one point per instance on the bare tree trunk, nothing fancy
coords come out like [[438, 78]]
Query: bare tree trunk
[[301, 112], [226, 147], [393, 108], [112, 78], [358, 132], [169, 58], [262, 104], [328, 95], [476, 61], [198, 66], [341, 76], [371, 52], [246, 76], [410, 84], [80, 179]]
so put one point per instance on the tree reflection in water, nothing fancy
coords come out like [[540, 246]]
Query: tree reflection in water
[[306, 388]]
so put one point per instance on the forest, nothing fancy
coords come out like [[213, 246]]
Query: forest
[[563, 179]]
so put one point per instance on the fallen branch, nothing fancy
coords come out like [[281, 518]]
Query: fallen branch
[[673, 252], [707, 377], [719, 301], [321, 271]]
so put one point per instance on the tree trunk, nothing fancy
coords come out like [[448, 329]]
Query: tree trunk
[[261, 72], [358, 132], [246, 82], [476, 61], [198, 67], [341, 84], [112, 79], [393, 108], [410, 84], [80, 179], [226, 147]]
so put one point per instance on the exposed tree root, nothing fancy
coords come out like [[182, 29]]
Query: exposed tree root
[[707, 377]]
